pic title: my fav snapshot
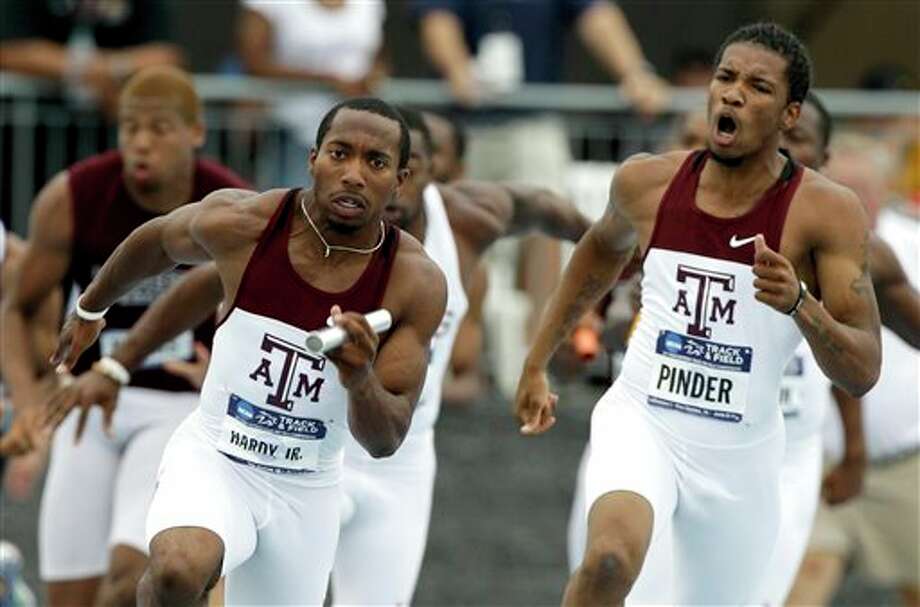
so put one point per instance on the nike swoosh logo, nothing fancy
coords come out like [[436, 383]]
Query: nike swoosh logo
[[736, 242]]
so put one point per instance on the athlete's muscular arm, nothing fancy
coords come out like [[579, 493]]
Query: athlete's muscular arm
[[184, 306], [383, 392], [844, 331], [843, 328], [899, 302], [50, 228], [484, 212], [596, 263], [192, 233]]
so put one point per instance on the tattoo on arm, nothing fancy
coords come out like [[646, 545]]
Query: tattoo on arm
[[591, 289], [825, 338], [843, 330]]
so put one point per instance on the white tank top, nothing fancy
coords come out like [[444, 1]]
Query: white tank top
[[302, 429], [266, 402], [442, 248], [706, 357], [804, 395]]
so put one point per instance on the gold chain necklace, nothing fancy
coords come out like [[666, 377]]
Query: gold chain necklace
[[335, 247]]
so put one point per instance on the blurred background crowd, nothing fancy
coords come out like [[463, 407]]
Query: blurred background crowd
[[551, 92]]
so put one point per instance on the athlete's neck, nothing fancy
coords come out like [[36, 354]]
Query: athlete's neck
[[174, 193], [748, 179]]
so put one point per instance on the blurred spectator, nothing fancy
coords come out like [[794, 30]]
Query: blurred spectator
[[692, 67], [336, 43], [518, 41], [489, 48], [91, 46]]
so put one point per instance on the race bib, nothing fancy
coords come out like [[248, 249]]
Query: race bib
[[791, 387], [270, 439], [700, 377], [181, 347]]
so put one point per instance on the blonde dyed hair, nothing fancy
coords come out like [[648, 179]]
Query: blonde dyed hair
[[165, 83]]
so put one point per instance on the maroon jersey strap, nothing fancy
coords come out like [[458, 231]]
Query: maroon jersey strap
[[683, 179], [271, 286], [681, 225]]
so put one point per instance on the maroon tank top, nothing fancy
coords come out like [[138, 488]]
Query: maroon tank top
[[104, 214], [682, 226], [272, 287]]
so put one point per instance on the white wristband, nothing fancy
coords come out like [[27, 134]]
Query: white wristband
[[86, 314], [112, 369]]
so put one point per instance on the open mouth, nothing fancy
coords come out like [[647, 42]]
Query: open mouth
[[348, 205], [727, 125], [140, 170], [726, 130]]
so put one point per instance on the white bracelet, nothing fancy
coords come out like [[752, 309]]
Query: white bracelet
[[112, 369], [86, 314]]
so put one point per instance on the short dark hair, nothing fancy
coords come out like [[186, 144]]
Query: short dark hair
[[773, 37], [374, 106], [416, 122], [827, 123]]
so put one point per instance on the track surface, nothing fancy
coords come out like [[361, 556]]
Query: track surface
[[500, 511]]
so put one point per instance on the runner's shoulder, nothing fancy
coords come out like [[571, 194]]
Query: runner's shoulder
[[235, 213], [819, 189], [412, 261], [642, 174], [828, 204], [244, 204], [416, 274]]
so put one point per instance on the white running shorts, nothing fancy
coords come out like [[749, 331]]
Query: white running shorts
[[279, 536], [385, 530], [800, 488], [97, 492], [716, 509]]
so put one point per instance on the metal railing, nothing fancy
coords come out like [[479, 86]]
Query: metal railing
[[41, 134]]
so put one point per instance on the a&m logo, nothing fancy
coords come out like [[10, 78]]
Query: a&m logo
[[711, 304], [287, 371]]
